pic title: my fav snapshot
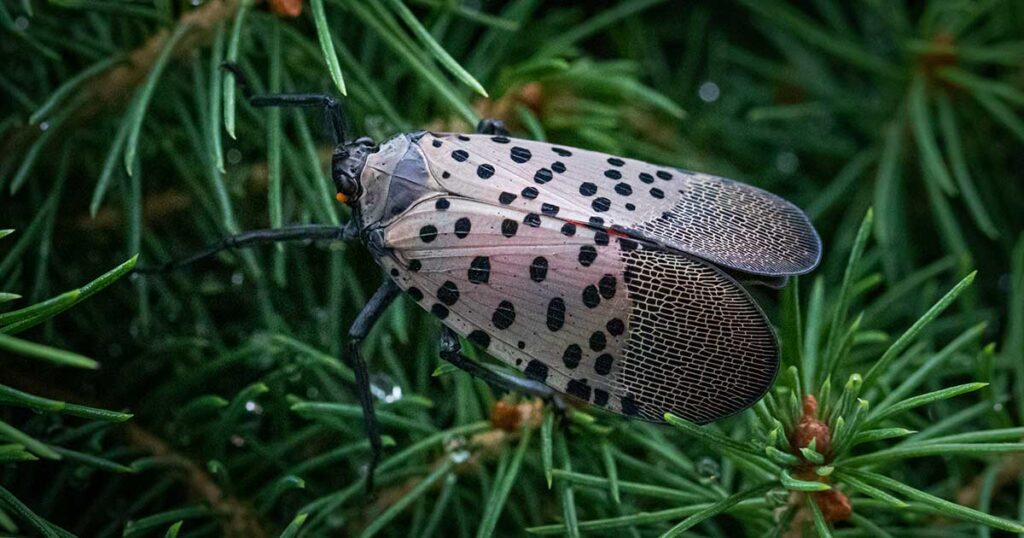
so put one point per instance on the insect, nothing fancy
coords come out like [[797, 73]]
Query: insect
[[607, 279]]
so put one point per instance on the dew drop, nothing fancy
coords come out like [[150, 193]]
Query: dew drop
[[384, 388], [787, 162], [253, 407], [709, 92]]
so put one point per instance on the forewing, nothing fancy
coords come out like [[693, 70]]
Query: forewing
[[728, 223], [600, 317]]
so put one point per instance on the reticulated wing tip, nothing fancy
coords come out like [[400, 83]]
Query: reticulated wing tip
[[699, 346]]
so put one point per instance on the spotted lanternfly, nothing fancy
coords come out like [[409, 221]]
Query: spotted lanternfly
[[608, 279], [603, 277]]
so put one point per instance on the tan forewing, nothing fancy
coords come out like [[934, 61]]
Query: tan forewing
[[723, 221], [594, 315]]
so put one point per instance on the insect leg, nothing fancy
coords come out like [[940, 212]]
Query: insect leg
[[451, 352], [330, 105], [492, 126], [303, 232], [367, 317]]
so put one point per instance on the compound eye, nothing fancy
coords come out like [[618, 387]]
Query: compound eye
[[349, 186]]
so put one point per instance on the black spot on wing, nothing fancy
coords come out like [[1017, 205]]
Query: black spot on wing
[[603, 364], [536, 370], [462, 227], [520, 155], [448, 293], [509, 227], [591, 297], [504, 316], [578, 388], [607, 286], [539, 269], [587, 255], [479, 270], [428, 233], [556, 314], [479, 338], [439, 310], [572, 356]]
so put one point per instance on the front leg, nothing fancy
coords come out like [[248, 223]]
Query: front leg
[[361, 327], [301, 232], [492, 126]]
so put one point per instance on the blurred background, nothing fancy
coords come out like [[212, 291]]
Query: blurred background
[[215, 400]]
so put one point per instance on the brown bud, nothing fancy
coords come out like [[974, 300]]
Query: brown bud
[[511, 416], [505, 416], [810, 428], [834, 505], [286, 8]]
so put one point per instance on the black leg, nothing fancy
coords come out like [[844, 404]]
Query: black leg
[[330, 106], [492, 126], [367, 317], [451, 352], [348, 232]]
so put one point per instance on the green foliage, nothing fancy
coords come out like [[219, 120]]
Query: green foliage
[[217, 401]]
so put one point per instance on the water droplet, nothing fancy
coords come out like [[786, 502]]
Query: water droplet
[[787, 162], [44, 126], [708, 469], [237, 278], [709, 92], [21, 24], [253, 407], [234, 156], [384, 389], [459, 456]]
